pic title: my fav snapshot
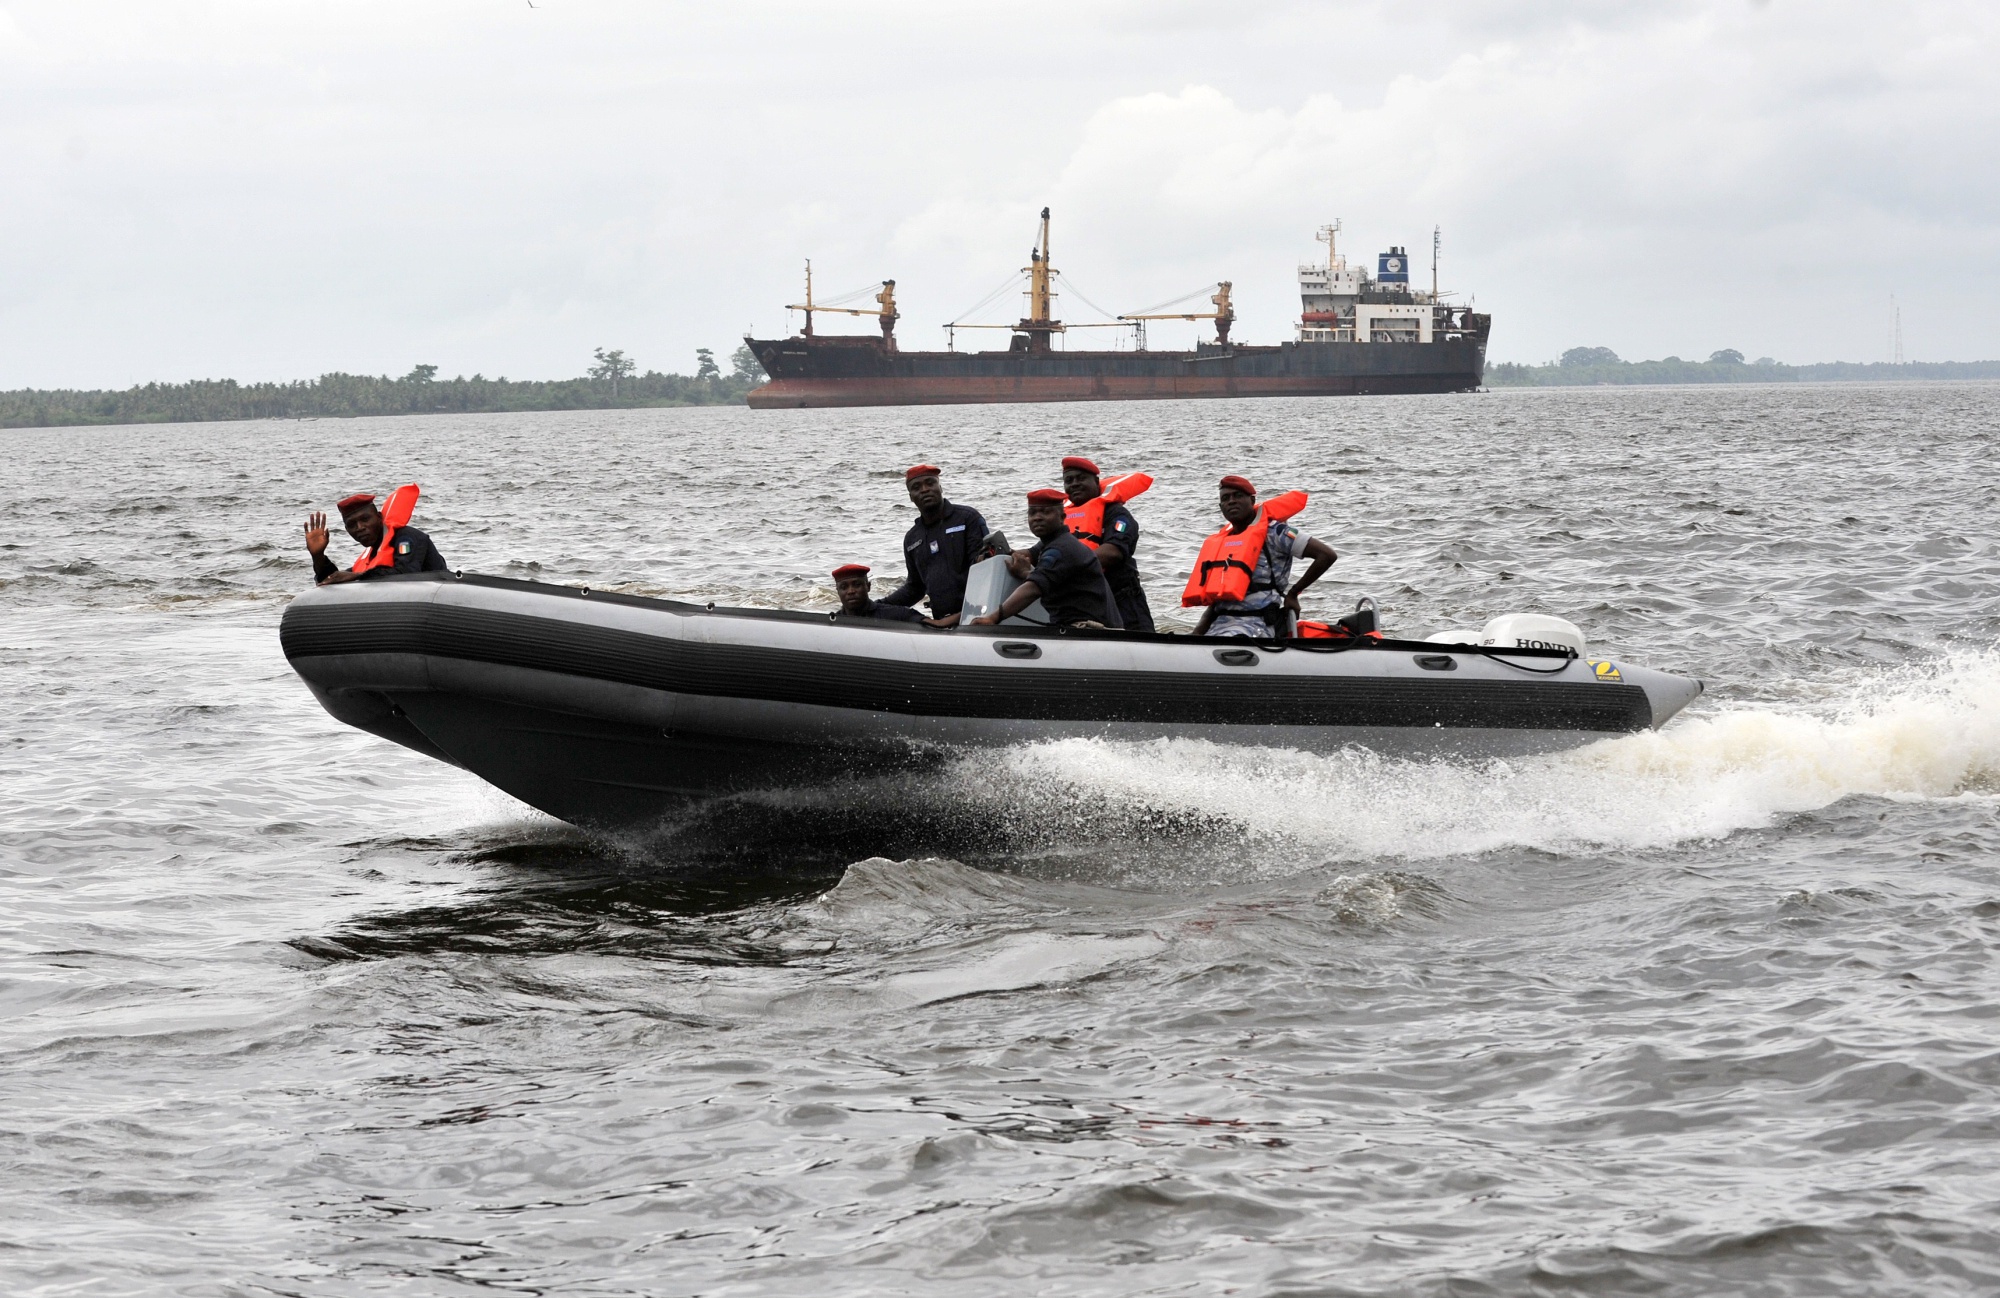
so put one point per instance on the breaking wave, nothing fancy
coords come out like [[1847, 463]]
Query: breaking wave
[[1932, 736]]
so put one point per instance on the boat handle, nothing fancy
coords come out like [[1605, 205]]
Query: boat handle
[[1017, 649], [1236, 657], [1437, 662]]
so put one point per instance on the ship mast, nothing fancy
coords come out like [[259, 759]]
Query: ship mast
[[1039, 324], [886, 312], [1327, 234]]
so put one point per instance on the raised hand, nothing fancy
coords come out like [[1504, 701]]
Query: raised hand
[[316, 534]]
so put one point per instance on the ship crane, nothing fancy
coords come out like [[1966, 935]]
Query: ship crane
[[1040, 324], [885, 309], [1224, 316], [1038, 328]]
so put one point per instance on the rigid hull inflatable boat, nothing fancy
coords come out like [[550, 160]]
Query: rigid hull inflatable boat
[[610, 710]]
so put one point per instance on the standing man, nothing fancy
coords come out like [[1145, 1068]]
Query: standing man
[[939, 549], [1246, 600], [1061, 571], [850, 582], [1111, 530], [385, 548]]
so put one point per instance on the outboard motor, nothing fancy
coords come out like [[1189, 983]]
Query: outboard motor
[[1532, 631]]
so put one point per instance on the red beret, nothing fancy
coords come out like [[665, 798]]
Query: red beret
[[916, 471], [1043, 495], [1240, 483], [351, 503], [850, 570], [1078, 462]]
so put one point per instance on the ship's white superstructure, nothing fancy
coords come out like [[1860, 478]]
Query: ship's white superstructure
[[1346, 304]]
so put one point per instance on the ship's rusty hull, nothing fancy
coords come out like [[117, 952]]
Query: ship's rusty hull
[[843, 371]]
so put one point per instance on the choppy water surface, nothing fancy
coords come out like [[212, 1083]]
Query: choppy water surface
[[290, 1010]]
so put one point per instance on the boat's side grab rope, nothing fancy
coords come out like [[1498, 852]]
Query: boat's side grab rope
[[1346, 643], [834, 616], [1339, 646], [1493, 652]]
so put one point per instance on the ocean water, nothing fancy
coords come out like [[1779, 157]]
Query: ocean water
[[285, 1009]]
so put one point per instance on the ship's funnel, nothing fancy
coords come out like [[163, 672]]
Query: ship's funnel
[[1392, 267]]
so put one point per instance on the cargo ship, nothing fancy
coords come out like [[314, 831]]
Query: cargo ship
[[1357, 333]]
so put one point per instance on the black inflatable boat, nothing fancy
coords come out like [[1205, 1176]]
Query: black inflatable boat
[[608, 710]]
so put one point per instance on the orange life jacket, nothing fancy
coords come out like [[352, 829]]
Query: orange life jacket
[[1086, 521], [396, 513], [1228, 559]]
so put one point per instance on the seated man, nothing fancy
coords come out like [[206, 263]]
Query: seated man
[[1060, 570], [1110, 529], [1260, 611], [410, 549], [850, 581]]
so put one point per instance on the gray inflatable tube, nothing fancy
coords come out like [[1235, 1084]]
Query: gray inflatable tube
[[611, 710]]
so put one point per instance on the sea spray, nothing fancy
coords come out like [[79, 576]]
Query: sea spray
[[1931, 733]]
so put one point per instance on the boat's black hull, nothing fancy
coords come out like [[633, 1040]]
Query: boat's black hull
[[608, 711], [846, 371]]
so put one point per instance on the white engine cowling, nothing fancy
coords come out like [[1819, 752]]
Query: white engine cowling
[[1532, 631]]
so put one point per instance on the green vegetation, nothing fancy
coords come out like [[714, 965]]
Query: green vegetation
[[611, 384], [1583, 366]]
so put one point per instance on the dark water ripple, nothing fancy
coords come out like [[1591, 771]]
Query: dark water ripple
[[1712, 1011]]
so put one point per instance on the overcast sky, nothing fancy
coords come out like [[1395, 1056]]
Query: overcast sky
[[262, 189]]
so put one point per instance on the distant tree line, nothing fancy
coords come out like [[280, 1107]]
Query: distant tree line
[[611, 384], [1583, 366]]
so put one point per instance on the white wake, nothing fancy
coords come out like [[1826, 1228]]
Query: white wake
[[1933, 736]]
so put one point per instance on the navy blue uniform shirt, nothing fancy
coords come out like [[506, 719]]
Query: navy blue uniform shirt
[[1122, 530], [1072, 585], [938, 556], [414, 553]]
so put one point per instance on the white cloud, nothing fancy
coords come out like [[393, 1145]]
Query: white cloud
[[1703, 180], [264, 189]]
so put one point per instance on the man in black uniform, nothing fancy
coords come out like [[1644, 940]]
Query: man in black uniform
[[1061, 571], [939, 549], [1117, 551], [850, 581], [414, 551]]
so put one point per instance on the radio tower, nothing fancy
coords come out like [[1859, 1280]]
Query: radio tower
[[1896, 333]]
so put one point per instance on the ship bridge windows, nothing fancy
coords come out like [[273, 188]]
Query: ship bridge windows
[[1392, 322], [1368, 322]]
